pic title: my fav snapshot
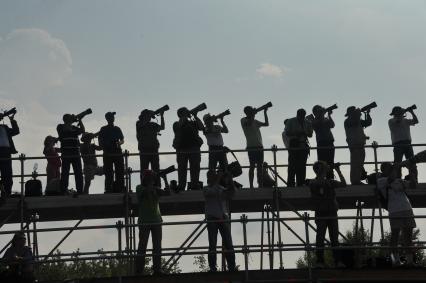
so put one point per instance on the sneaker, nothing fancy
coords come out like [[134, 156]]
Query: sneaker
[[395, 259]]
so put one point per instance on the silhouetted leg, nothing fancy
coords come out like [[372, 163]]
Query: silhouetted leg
[[109, 172], [259, 174], [223, 161], [156, 235], [182, 162], [409, 153], [155, 166], [225, 233], [320, 237], [212, 229], [144, 163], [66, 162], [78, 174], [6, 172], [301, 164], [119, 173], [212, 158], [143, 242], [292, 166], [327, 155], [357, 164], [194, 168], [333, 232], [394, 240], [398, 153]]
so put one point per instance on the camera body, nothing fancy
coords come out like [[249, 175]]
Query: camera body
[[161, 110], [263, 107], [198, 108], [80, 116], [369, 107], [8, 113], [221, 115]]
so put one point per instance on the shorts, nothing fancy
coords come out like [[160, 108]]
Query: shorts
[[255, 155], [402, 223], [91, 170]]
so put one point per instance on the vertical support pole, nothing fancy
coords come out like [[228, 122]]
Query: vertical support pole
[[119, 225], [22, 161], [262, 231], [277, 196], [376, 169], [268, 227], [308, 246], [274, 152], [272, 236], [126, 201], [373, 212], [245, 248], [35, 239]]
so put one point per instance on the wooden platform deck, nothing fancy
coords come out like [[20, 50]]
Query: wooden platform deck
[[57, 208]]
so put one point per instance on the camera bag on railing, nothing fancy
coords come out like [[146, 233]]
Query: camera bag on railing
[[235, 167]]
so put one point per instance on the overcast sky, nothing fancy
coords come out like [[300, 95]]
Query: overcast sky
[[65, 56]]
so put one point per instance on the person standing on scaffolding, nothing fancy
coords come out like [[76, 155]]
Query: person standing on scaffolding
[[324, 197], [322, 126], [7, 148], [213, 133], [251, 128], [399, 127], [110, 140], [147, 135], [149, 221]]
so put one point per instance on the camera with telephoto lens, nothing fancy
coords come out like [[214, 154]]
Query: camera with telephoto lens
[[263, 107], [198, 108], [368, 107], [411, 108], [166, 171], [8, 113], [221, 115], [331, 108], [161, 110], [80, 116]]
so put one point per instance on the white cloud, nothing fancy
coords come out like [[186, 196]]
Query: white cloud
[[270, 70], [32, 61]]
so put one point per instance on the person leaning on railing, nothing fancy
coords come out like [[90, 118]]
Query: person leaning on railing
[[324, 197], [148, 195], [401, 217], [399, 127], [356, 139], [7, 148]]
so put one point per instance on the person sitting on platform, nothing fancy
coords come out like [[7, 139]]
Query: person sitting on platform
[[90, 162], [324, 196], [19, 260], [149, 220], [401, 217], [298, 130], [216, 209]]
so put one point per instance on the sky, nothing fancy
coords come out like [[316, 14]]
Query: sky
[[61, 57]]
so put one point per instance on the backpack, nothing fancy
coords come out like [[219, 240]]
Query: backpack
[[33, 188]]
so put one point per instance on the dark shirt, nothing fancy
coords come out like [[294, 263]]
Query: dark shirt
[[322, 128], [88, 152], [108, 138], [186, 135], [18, 266], [68, 136], [324, 194], [10, 133], [147, 135]]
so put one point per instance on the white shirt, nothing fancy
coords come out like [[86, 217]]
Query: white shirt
[[400, 130], [214, 136], [398, 200], [4, 139], [252, 133]]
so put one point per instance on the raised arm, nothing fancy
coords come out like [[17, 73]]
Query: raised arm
[[415, 119], [162, 123], [342, 182], [224, 127], [265, 115]]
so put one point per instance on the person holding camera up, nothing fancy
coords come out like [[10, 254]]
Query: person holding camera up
[[401, 136], [298, 130], [216, 209], [356, 139], [7, 148], [70, 151], [251, 128], [213, 133], [110, 140], [147, 134], [187, 143], [324, 196], [322, 126], [90, 161]]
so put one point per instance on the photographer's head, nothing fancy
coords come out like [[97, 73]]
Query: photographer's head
[[68, 119], [183, 113], [321, 169], [250, 112], [146, 115], [148, 178], [50, 141], [397, 112], [208, 120], [19, 240], [353, 112], [388, 169], [318, 111], [301, 114], [110, 117]]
